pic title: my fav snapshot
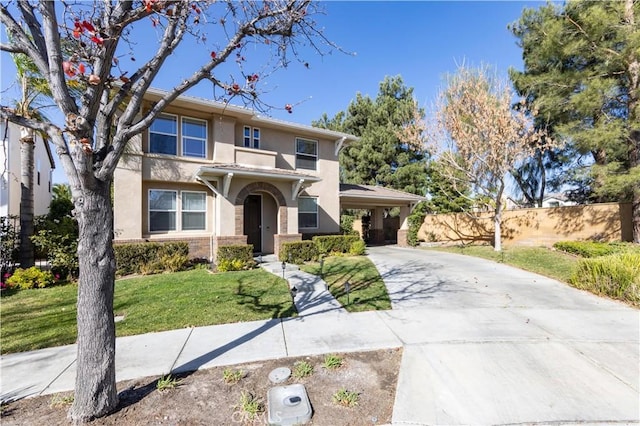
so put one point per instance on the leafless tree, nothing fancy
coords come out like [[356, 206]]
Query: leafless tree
[[481, 137], [93, 44]]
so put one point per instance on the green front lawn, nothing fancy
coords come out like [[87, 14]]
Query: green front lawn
[[35, 319], [367, 290], [541, 260]]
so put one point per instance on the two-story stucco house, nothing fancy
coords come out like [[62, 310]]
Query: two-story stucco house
[[215, 174]]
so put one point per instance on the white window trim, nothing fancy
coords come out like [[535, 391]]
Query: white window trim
[[251, 138], [204, 140], [177, 135], [182, 210], [317, 212], [149, 211], [295, 148], [178, 211]]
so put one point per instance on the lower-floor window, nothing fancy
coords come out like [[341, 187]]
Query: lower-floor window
[[307, 212], [194, 210], [173, 211]]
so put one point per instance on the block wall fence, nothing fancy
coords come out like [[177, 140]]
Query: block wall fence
[[535, 226]]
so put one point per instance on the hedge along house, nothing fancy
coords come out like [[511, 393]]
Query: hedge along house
[[215, 174]]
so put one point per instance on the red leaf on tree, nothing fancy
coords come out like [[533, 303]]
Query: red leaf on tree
[[97, 40], [235, 87], [124, 79], [148, 5], [81, 68], [77, 33], [213, 55], [87, 25]]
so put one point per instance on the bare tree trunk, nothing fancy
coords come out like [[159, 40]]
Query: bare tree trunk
[[497, 219], [27, 146], [96, 393], [634, 135], [497, 227]]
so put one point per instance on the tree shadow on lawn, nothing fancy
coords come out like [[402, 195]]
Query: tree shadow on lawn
[[254, 299]]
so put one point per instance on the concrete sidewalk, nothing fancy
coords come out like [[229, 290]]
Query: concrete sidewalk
[[154, 354], [484, 344]]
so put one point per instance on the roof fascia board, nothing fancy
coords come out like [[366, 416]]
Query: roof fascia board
[[243, 173]]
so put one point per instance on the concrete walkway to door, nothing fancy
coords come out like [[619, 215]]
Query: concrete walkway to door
[[311, 295], [487, 344]]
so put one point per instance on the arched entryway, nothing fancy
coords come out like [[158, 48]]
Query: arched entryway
[[262, 216]]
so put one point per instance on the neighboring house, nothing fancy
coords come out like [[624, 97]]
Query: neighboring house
[[215, 174], [557, 200], [10, 188]]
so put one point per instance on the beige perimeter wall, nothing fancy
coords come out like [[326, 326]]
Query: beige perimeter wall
[[535, 227]]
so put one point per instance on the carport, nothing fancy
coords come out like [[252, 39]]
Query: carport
[[377, 199]]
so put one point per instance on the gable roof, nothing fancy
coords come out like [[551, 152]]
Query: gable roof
[[366, 196]]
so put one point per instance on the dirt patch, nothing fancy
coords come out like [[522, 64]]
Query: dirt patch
[[205, 398]]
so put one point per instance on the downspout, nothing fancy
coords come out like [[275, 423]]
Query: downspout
[[217, 211]]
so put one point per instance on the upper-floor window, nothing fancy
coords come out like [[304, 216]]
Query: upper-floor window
[[307, 212], [306, 154], [163, 136], [194, 138], [251, 137]]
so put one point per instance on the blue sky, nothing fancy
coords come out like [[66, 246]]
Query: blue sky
[[422, 41]]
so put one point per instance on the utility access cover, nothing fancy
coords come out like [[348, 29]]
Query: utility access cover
[[288, 405]]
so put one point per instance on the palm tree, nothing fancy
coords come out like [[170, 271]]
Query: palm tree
[[33, 87]]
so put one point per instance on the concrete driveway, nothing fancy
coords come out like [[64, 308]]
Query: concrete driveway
[[487, 344]]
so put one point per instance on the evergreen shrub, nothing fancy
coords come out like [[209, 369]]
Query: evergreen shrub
[[328, 244], [298, 252], [235, 257], [150, 258]]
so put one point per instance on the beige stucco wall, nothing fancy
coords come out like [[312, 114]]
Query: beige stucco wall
[[540, 226]]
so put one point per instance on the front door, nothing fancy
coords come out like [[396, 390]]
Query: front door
[[253, 221]]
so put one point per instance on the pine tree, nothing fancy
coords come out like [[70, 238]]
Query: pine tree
[[390, 151], [582, 73]]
